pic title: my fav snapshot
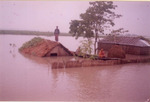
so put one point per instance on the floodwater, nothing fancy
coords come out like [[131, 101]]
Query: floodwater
[[29, 78]]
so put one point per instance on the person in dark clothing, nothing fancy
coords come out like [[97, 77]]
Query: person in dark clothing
[[56, 33]]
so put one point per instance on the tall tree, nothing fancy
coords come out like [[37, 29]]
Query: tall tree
[[97, 18]]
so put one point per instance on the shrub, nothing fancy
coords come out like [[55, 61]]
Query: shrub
[[85, 48]]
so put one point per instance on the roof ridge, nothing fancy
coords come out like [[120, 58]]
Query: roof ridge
[[125, 40]]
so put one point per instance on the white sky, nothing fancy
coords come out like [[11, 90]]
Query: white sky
[[46, 15]]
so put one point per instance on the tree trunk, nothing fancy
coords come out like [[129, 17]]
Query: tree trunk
[[95, 43], [95, 47]]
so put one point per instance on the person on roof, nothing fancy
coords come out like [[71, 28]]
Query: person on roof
[[56, 33]]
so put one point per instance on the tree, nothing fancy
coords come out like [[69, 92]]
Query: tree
[[119, 31], [98, 18], [85, 48]]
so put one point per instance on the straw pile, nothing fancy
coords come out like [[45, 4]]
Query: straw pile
[[116, 51]]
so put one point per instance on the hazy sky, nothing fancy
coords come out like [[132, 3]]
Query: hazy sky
[[46, 15]]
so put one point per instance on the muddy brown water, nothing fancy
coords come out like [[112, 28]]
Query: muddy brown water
[[29, 78]]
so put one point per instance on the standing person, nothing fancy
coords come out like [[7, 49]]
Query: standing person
[[56, 33]]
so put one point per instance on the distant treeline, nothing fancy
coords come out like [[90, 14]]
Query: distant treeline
[[26, 32], [40, 33]]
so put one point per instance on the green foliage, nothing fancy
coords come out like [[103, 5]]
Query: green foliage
[[97, 18], [118, 31], [93, 57], [31, 43], [86, 48], [80, 28]]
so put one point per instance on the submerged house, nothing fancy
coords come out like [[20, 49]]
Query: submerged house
[[131, 45], [44, 48], [57, 49]]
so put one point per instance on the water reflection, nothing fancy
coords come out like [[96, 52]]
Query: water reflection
[[47, 60], [90, 83], [107, 83]]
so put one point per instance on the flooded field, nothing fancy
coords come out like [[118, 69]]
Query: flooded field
[[30, 78]]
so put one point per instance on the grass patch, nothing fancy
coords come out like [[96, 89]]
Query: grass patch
[[31, 43]]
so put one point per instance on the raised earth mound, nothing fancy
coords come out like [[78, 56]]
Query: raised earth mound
[[116, 51], [43, 47]]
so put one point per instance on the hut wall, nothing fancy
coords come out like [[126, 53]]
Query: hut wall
[[59, 51], [145, 51], [105, 46], [136, 50]]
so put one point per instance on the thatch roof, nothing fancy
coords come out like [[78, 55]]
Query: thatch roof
[[123, 40], [41, 48], [52, 44]]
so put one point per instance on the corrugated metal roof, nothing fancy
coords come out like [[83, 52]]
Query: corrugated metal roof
[[123, 40]]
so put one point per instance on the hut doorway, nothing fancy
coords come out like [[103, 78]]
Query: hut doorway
[[53, 54]]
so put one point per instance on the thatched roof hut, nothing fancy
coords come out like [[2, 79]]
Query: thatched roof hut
[[42, 47], [131, 45]]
